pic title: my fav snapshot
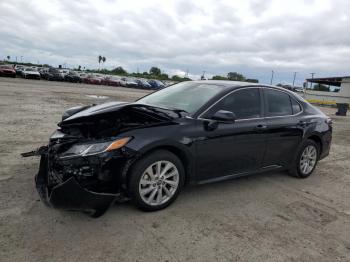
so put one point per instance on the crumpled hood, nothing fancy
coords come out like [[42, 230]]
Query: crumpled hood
[[77, 114], [112, 118], [97, 109]]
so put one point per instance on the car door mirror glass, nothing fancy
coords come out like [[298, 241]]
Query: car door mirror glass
[[224, 116]]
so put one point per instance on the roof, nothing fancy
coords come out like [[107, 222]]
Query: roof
[[333, 81], [227, 83]]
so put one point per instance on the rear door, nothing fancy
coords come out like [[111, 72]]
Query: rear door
[[284, 129]]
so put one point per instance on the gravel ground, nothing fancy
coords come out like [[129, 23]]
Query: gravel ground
[[265, 217]]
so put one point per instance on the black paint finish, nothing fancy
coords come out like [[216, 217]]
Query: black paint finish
[[210, 150]]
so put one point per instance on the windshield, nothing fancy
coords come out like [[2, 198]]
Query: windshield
[[31, 69], [187, 96]]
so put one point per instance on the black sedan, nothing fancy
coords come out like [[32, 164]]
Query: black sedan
[[190, 133], [72, 77]]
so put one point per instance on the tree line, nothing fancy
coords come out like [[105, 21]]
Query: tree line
[[154, 72], [234, 76]]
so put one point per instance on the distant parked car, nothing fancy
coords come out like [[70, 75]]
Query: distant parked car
[[156, 84], [52, 75], [112, 81], [31, 73], [130, 82], [63, 72], [43, 71], [143, 84], [92, 79], [7, 70], [72, 77], [19, 69]]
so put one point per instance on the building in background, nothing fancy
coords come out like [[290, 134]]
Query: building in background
[[328, 90]]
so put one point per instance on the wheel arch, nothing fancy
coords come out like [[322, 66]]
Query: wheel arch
[[178, 150], [317, 139]]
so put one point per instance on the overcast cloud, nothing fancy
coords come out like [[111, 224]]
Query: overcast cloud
[[252, 37]]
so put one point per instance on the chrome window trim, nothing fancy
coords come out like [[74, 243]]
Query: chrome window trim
[[254, 118]]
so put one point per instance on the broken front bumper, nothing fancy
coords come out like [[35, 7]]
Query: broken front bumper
[[69, 194]]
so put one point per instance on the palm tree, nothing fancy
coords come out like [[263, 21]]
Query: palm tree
[[99, 61], [104, 60]]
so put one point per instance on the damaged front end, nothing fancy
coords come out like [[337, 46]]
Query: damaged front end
[[84, 165], [89, 183]]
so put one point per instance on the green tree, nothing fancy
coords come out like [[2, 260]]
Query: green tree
[[8, 57], [99, 61], [234, 76], [163, 77], [103, 60], [179, 78], [119, 71], [155, 71], [219, 78]]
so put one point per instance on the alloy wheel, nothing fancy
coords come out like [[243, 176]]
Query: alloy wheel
[[308, 159], [159, 183]]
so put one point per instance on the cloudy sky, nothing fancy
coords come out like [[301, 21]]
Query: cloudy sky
[[252, 37]]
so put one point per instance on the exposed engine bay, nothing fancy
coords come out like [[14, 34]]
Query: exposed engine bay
[[112, 123]]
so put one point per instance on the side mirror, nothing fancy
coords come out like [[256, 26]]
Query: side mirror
[[224, 116]]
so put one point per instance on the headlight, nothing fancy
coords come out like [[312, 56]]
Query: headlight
[[93, 149]]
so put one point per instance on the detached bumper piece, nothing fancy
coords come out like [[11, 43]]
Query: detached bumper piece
[[69, 195]]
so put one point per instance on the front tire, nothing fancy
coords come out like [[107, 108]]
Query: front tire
[[156, 180], [306, 160]]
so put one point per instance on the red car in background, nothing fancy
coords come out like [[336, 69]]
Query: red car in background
[[113, 81], [93, 80], [7, 70]]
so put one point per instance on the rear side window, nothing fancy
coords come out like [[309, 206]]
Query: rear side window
[[243, 103], [278, 103], [295, 106]]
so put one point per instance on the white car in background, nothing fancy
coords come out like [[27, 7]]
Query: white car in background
[[63, 72], [31, 73]]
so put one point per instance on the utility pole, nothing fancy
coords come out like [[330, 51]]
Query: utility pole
[[203, 76], [272, 73], [295, 74], [186, 74], [312, 77]]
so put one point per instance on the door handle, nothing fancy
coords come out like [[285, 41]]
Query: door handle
[[261, 128]]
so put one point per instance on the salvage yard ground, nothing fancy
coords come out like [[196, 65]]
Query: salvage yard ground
[[265, 217]]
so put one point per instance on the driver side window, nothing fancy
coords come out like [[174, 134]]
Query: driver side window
[[244, 103]]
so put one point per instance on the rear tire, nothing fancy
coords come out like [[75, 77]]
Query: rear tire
[[156, 180], [306, 160]]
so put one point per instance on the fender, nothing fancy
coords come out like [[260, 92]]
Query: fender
[[185, 151]]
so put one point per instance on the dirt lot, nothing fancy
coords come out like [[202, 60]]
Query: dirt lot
[[266, 217]]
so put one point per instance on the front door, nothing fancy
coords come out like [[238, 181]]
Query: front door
[[228, 149]]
